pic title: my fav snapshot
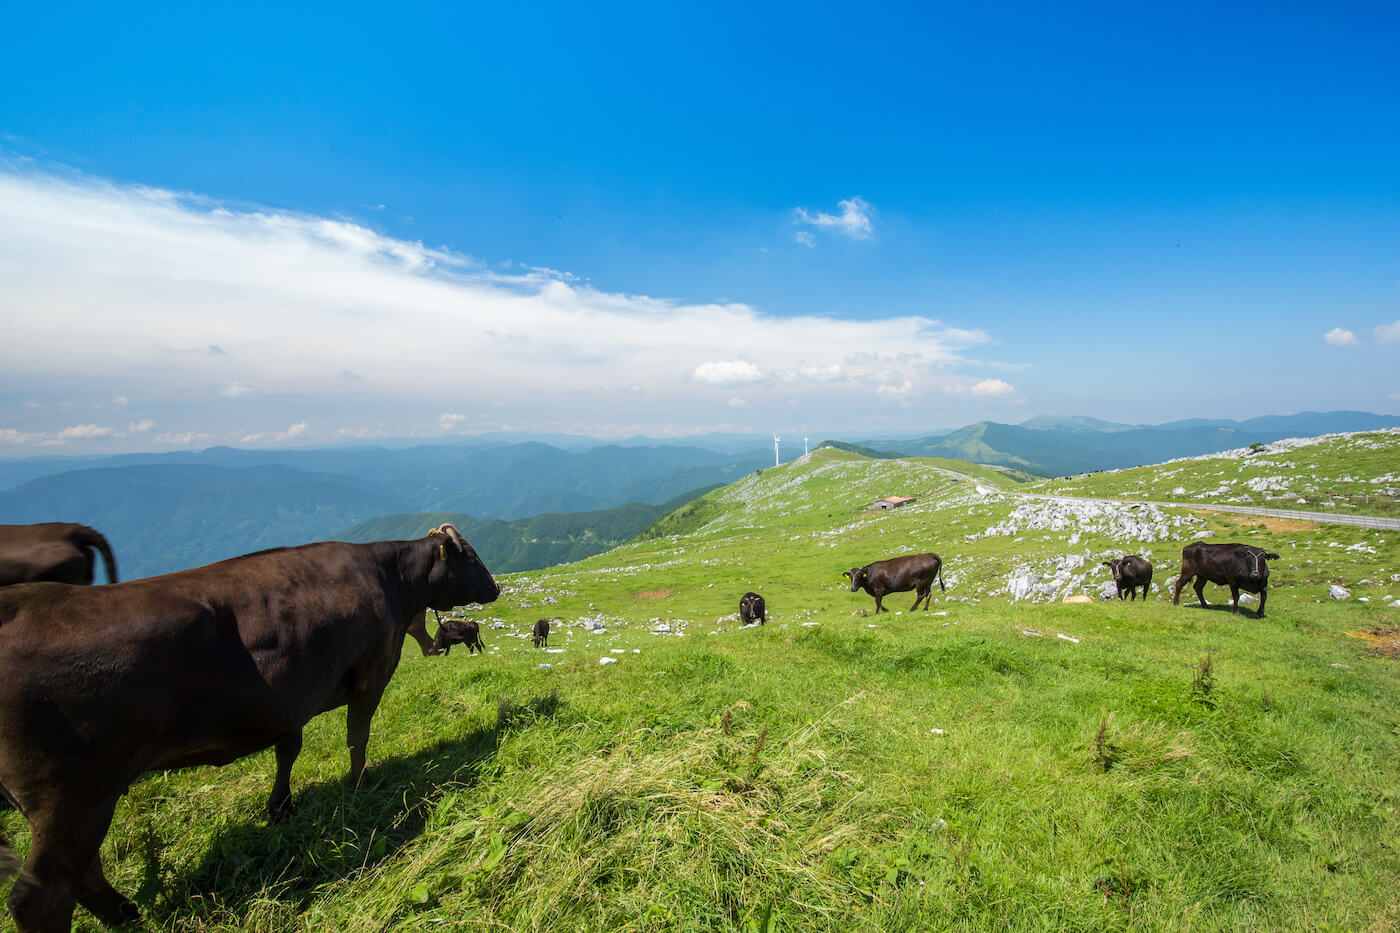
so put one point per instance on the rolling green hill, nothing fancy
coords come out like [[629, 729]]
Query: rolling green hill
[[1007, 760], [526, 543]]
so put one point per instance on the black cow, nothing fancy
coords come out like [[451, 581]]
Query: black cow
[[899, 575], [458, 632], [100, 684], [539, 634], [57, 552], [752, 609], [1238, 566], [1129, 573]]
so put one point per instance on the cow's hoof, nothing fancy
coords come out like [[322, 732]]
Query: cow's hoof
[[114, 910], [281, 812]]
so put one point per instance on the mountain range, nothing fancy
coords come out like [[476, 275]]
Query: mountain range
[[527, 504]]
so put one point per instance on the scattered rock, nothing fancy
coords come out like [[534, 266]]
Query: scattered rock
[[606, 660], [1080, 598], [1337, 591]]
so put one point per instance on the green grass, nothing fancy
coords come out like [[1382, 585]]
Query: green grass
[[789, 776], [1355, 474]]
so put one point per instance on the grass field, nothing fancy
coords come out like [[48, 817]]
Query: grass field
[[995, 763], [1357, 474]]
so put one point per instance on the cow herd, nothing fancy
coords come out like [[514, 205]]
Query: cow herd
[[99, 685]]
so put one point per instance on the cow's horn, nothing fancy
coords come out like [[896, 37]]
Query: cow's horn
[[446, 528]]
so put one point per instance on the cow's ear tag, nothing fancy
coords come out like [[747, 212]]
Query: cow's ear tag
[[442, 552]]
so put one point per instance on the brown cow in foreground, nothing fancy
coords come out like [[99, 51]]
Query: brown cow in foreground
[[54, 551], [899, 575], [99, 685], [539, 634], [1238, 566]]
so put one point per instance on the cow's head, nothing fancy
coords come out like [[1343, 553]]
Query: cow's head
[[1115, 565], [859, 576], [457, 575]]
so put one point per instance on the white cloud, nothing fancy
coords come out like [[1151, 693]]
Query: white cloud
[[1388, 333], [138, 427], [191, 306], [84, 431], [1341, 337], [450, 419], [180, 440], [233, 390], [294, 432], [13, 436], [895, 393], [991, 387], [737, 402], [854, 220], [730, 373], [805, 238], [832, 373]]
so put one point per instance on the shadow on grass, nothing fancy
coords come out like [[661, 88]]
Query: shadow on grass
[[335, 831], [1225, 607]]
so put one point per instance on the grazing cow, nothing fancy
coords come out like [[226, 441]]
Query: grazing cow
[[539, 634], [99, 685], [458, 632], [899, 575], [1129, 573], [56, 552], [1238, 566], [752, 609]]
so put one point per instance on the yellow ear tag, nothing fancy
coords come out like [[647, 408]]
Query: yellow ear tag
[[442, 552]]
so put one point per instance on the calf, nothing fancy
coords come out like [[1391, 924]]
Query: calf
[[1129, 573], [458, 632], [100, 684], [1238, 566], [539, 634], [752, 609], [899, 575], [54, 551]]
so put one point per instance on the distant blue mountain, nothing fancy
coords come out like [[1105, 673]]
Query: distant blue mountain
[[171, 511]]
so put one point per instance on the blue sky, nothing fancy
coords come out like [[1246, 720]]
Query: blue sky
[[267, 225]]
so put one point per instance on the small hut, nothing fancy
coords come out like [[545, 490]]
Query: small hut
[[891, 502]]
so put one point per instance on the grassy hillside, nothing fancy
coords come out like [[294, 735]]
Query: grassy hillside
[[1355, 474], [995, 763]]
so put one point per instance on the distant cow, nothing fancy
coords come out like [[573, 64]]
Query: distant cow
[[1238, 566], [539, 634], [1129, 573], [899, 575], [458, 632], [752, 609], [56, 552], [99, 685]]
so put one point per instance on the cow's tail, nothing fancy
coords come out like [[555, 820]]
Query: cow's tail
[[94, 538], [940, 578]]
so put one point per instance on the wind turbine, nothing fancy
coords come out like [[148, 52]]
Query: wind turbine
[[776, 461]]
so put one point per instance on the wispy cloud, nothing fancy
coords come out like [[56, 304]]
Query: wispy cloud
[[854, 221], [1388, 333], [225, 318], [1341, 337]]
